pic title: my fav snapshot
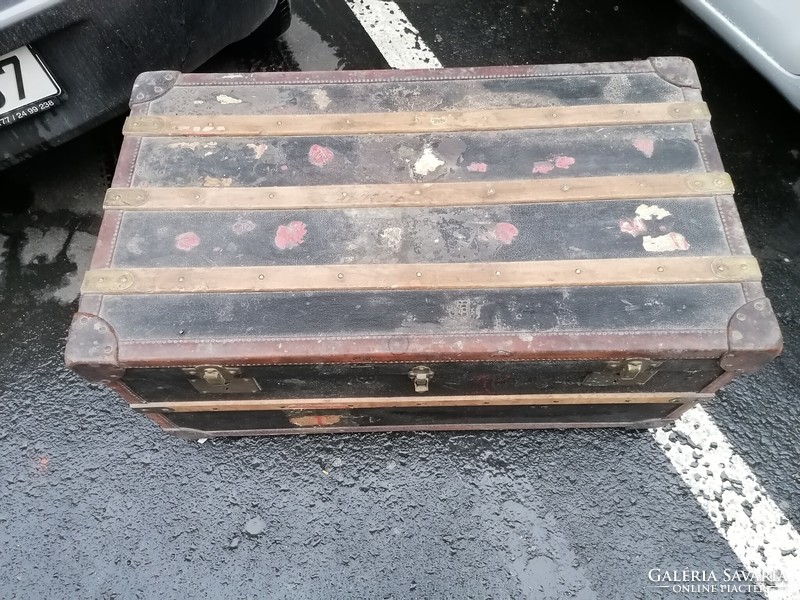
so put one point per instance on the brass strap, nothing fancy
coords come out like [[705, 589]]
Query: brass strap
[[426, 276], [467, 193], [416, 122], [415, 401]]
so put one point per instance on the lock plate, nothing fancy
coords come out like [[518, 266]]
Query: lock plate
[[213, 379], [631, 371], [421, 377]]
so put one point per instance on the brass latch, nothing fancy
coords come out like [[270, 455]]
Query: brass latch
[[421, 376], [631, 371], [212, 379]]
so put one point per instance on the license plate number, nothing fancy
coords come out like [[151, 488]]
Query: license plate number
[[26, 86]]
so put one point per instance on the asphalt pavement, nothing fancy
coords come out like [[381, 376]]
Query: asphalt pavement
[[96, 502]]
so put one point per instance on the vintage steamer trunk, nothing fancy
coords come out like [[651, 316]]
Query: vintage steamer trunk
[[511, 247]]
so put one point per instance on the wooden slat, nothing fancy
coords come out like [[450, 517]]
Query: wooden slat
[[523, 191], [416, 122], [559, 273], [232, 405]]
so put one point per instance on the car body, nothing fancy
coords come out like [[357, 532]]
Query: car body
[[69, 65], [765, 32]]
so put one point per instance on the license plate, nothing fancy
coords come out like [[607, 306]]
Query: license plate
[[26, 86]]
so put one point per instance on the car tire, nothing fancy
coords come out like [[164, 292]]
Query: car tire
[[276, 24]]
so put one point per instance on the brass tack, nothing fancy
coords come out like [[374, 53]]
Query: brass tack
[[497, 272], [718, 181], [578, 271], [491, 192], [722, 268], [107, 349], [743, 267], [419, 273], [117, 197], [554, 115], [197, 196], [280, 123], [340, 276], [759, 305], [272, 195], [565, 188], [741, 317], [660, 269], [180, 279], [101, 280], [261, 276], [344, 194]]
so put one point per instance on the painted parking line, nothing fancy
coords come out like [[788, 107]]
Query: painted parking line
[[722, 483], [396, 38]]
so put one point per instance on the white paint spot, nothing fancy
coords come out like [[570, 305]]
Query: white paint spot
[[428, 162], [394, 35], [225, 99], [725, 487], [233, 76], [665, 243], [321, 99], [185, 145], [258, 149], [42, 246], [648, 213], [134, 245], [209, 181], [198, 102], [392, 237]]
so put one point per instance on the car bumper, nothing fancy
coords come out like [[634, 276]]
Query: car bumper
[[96, 53]]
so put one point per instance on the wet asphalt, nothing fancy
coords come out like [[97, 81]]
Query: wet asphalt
[[95, 502]]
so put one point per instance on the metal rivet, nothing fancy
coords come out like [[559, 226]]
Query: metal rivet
[[344, 194], [84, 320], [564, 188], [741, 317], [210, 124], [675, 400], [743, 267], [718, 181], [417, 192], [197, 196], [272, 195], [497, 272], [123, 279], [136, 123], [280, 123], [107, 349], [347, 121], [117, 197], [180, 279], [102, 329], [660, 269], [101, 280], [722, 268], [340, 276], [261, 276], [759, 305], [491, 192], [554, 115], [419, 274], [578, 271]]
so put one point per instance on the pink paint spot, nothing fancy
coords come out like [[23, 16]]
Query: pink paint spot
[[564, 162], [42, 464], [242, 226], [284, 168], [635, 226], [291, 235], [477, 167], [187, 241], [504, 233], [543, 166], [319, 156], [645, 146]]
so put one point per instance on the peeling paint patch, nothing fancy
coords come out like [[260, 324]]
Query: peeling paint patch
[[563, 162], [392, 237], [258, 150], [319, 156], [209, 181], [427, 163], [665, 243], [187, 241], [242, 226], [284, 167], [134, 245], [543, 166], [477, 167], [185, 145], [635, 226], [645, 145], [291, 235], [505, 233], [650, 212], [225, 99], [321, 99]]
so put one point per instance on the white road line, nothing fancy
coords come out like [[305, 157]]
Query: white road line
[[722, 483], [393, 34], [741, 510]]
